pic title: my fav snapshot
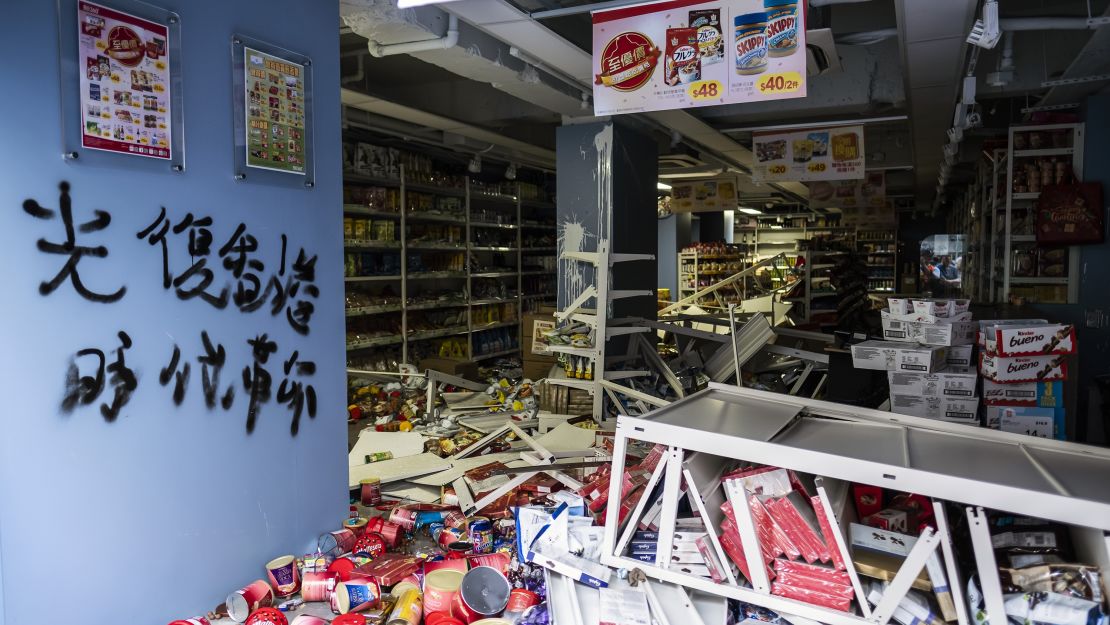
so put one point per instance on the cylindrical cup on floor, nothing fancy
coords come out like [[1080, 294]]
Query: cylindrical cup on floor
[[441, 618], [458, 550], [308, 619], [284, 576], [520, 601], [484, 592], [317, 586], [371, 491], [242, 602], [349, 619], [196, 620], [440, 588], [409, 609], [492, 621], [357, 595], [336, 543]]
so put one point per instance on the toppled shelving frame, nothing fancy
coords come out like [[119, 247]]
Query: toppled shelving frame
[[1053, 480]]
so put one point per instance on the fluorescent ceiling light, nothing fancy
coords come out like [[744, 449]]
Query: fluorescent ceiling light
[[662, 186], [749, 211], [776, 227]]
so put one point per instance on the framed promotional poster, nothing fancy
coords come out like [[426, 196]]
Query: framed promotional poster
[[273, 116], [120, 81]]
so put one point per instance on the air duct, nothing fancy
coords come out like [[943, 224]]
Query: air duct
[[1050, 23], [445, 42], [433, 36]]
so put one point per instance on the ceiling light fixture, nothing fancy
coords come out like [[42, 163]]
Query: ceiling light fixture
[[749, 211], [662, 186], [475, 164], [510, 172]]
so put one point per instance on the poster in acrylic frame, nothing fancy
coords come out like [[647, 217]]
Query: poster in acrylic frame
[[274, 103], [682, 53], [833, 153], [125, 82]]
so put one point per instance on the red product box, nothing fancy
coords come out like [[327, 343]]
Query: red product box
[[811, 597], [818, 585], [651, 460], [790, 513], [814, 571], [715, 566], [1032, 339], [734, 549], [827, 531], [868, 499], [388, 569]]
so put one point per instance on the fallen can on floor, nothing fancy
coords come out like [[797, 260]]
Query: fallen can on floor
[[337, 543], [440, 588], [357, 595], [196, 620], [308, 619], [317, 586], [483, 594], [242, 602], [409, 609], [284, 576]]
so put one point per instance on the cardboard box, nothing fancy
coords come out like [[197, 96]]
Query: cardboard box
[[462, 368], [943, 334], [952, 382], [940, 307], [1009, 340], [961, 356], [950, 409], [899, 306], [985, 324], [537, 369], [1031, 420], [889, 356], [1042, 394], [1039, 368]]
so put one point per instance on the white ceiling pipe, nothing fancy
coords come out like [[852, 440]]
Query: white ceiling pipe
[[447, 41], [1049, 23]]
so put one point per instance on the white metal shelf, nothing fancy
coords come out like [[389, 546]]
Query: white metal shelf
[[1043, 478]]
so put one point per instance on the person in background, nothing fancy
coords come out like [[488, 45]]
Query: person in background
[[948, 271]]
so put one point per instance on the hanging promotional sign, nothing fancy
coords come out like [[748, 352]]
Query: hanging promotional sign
[[125, 82], [683, 53], [703, 196], [817, 154], [870, 191], [275, 106]]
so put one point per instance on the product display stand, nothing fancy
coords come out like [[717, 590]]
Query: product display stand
[[1048, 479]]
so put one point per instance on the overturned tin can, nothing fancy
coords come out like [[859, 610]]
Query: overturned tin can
[[483, 593], [242, 602]]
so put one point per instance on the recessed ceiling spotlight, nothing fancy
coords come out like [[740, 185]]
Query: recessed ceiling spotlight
[[510, 172], [475, 164]]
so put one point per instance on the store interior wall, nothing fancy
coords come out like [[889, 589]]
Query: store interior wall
[[164, 511], [712, 227], [1094, 265]]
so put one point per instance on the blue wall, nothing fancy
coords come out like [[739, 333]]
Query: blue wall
[[161, 513]]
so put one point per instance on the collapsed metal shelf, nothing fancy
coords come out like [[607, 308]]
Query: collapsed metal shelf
[[1043, 478]]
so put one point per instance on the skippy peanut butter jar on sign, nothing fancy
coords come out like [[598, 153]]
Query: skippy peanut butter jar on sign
[[681, 53]]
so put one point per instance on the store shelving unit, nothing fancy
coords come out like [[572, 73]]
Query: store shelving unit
[[697, 270], [978, 469], [483, 234], [772, 239], [1016, 270], [598, 320], [879, 249]]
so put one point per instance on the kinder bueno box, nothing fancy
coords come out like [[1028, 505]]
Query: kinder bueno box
[[1040, 394], [961, 356], [1009, 340], [951, 409], [985, 325], [1029, 420], [946, 333], [1036, 368], [890, 356], [952, 382]]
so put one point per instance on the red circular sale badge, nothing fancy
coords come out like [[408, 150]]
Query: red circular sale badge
[[627, 62], [125, 46]]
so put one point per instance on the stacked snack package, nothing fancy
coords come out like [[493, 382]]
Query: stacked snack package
[[1023, 364]]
